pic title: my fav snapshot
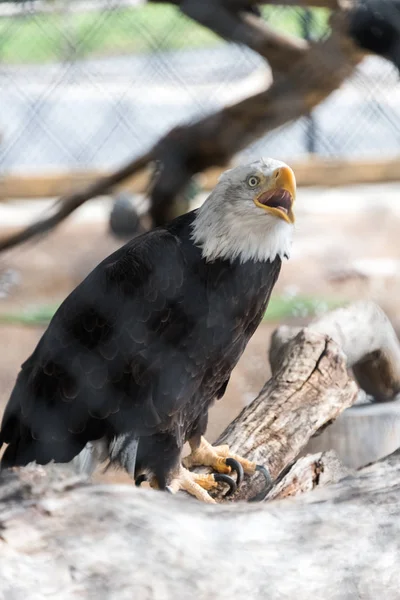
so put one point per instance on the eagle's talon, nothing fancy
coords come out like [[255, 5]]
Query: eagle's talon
[[221, 460], [237, 468], [262, 469], [141, 479], [222, 478], [262, 495]]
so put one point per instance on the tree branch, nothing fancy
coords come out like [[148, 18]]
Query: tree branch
[[66, 206], [212, 141], [225, 19], [329, 4], [244, 5]]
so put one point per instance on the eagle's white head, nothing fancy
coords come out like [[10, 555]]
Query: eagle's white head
[[249, 214]]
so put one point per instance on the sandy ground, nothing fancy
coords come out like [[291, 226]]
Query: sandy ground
[[339, 252]]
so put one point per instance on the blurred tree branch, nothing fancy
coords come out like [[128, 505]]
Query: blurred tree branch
[[244, 5], [226, 20], [311, 75]]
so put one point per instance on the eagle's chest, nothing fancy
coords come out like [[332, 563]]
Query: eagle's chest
[[234, 302], [240, 293]]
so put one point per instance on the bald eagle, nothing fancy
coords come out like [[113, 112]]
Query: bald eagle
[[134, 357]]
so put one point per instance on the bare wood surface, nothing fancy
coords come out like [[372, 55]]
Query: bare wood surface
[[317, 171], [66, 540], [338, 543], [62, 209], [314, 171], [368, 340], [309, 472], [51, 185]]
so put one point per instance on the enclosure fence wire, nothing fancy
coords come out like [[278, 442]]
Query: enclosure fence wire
[[89, 85]]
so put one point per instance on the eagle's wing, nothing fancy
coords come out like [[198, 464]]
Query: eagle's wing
[[110, 360]]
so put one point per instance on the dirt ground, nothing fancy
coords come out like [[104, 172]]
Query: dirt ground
[[335, 255]]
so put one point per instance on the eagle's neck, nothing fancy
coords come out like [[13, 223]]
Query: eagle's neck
[[222, 234]]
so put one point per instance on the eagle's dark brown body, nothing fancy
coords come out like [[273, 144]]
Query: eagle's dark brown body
[[142, 346]]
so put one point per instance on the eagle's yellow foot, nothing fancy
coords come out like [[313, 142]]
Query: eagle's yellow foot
[[194, 483], [222, 460], [198, 484], [218, 458]]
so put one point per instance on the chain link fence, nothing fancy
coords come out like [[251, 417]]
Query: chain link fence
[[89, 85]]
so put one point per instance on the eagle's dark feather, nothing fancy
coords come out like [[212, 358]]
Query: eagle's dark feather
[[143, 345]]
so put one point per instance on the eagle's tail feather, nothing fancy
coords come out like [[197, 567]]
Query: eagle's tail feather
[[19, 452], [22, 450], [123, 452], [90, 457]]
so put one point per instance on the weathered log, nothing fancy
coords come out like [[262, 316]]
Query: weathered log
[[62, 539], [364, 433], [368, 340], [338, 543], [307, 473], [310, 387]]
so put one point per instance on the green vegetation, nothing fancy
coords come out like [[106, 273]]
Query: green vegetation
[[51, 37], [30, 38], [36, 316], [280, 308]]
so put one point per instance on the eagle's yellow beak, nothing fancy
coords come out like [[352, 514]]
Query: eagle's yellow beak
[[280, 194]]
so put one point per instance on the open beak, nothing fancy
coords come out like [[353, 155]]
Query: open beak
[[279, 198]]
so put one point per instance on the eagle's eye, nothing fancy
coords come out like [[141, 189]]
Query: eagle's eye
[[253, 181]]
